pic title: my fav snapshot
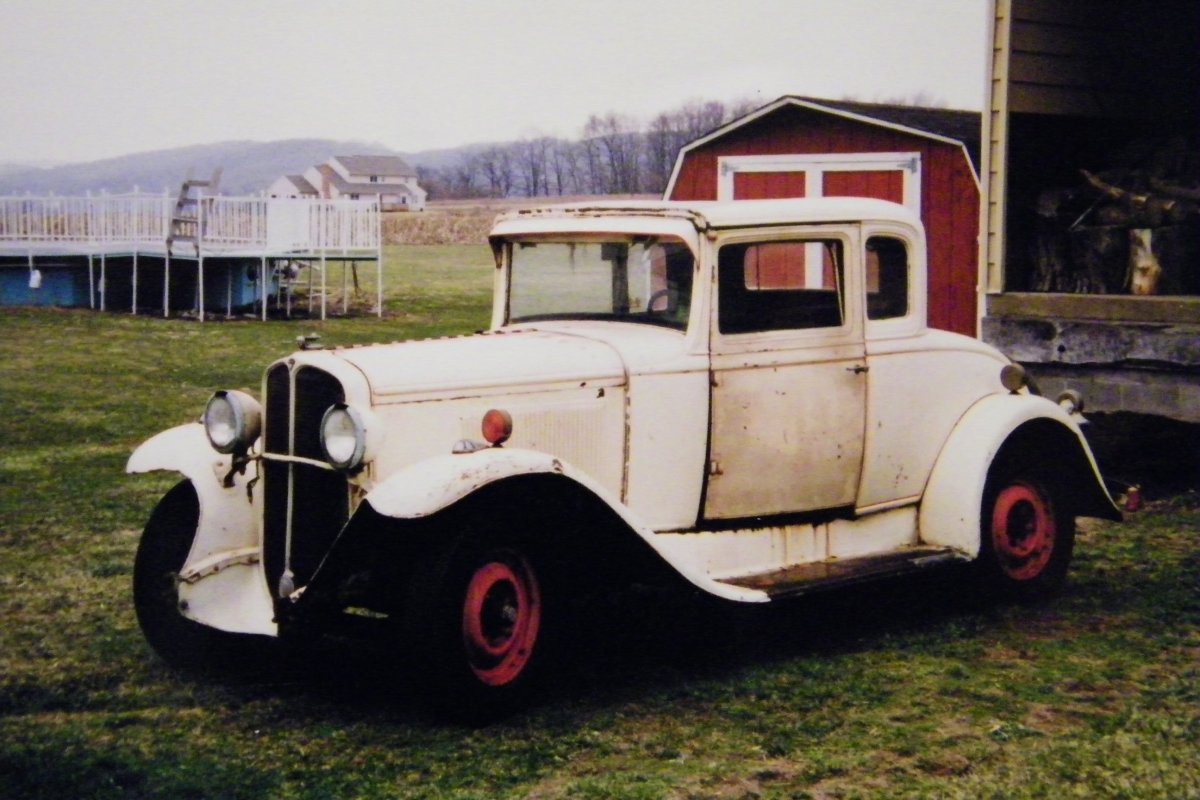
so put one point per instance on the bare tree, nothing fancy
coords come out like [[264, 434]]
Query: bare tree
[[434, 182], [700, 117], [618, 143], [662, 145], [740, 108], [496, 167], [532, 157], [565, 169], [465, 176], [590, 167], [670, 131], [614, 155]]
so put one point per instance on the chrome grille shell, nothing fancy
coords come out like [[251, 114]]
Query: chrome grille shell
[[305, 503]]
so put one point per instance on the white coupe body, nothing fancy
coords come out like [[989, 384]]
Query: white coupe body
[[748, 389]]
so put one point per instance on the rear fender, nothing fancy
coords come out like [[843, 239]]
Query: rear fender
[[428, 487], [953, 499]]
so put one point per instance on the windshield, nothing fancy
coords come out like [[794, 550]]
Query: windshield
[[647, 280]]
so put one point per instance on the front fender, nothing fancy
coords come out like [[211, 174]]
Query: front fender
[[228, 520], [423, 489], [953, 498], [183, 449], [221, 580], [427, 487]]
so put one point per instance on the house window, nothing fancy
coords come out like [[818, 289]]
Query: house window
[[374, 179]]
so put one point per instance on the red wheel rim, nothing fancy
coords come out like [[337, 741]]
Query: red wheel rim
[[501, 614], [1023, 531]]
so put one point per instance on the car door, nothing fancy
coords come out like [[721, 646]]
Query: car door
[[788, 384]]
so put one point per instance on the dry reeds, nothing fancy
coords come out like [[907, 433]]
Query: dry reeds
[[462, 225]]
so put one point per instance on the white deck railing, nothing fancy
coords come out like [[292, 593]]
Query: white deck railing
[[142, 221], [48, 219]]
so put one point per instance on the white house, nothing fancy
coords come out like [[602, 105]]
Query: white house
[[292, 186], [389, 178]]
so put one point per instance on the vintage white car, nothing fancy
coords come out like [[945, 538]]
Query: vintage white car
[[743, 396]]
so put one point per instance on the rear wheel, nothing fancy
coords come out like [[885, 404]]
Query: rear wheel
[[1028, 535], [161, 554], [478, 626]]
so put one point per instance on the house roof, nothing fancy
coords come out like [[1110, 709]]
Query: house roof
[[951, 126], [301, 183], [360, 187], [388, 166]]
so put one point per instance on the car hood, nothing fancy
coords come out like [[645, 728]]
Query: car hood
[[483, 363]]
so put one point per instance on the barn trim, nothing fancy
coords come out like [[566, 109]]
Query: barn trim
[[815, 166], [833, 132], [797, 102]]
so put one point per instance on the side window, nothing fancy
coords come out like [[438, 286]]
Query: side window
[[784, 285], [887, 278]]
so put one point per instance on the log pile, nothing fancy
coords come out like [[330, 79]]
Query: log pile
[[1125, 230]]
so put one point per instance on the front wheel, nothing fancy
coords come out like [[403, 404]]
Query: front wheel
[[501, 618], [161, 554], [478, 628], [1027, 536]]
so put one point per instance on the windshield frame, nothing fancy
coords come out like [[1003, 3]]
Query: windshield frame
[[661, 262]]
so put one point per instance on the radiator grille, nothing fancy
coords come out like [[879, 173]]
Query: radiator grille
[[315, 500]]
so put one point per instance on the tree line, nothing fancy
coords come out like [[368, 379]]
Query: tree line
[[615, 154]]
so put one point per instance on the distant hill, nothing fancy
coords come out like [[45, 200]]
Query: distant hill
[[9, 167], [249, 167]]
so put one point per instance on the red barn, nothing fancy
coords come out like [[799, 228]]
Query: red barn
[[798, 147]]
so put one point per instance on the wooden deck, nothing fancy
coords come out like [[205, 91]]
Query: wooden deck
[[269, 230]]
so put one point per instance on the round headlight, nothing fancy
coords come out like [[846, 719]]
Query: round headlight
[[232, 420], [344, 437]]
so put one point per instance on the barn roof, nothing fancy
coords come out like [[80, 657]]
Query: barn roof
[[954, 124], [388, 166], [948, 125]]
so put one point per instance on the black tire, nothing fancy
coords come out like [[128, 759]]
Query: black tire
[[480, 622], [1027, 534], [180, 642]]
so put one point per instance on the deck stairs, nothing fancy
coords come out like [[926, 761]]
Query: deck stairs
[[186, 218]]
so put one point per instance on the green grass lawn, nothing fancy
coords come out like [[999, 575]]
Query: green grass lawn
[[894, 690]]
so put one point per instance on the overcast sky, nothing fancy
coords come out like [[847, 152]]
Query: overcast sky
[[89, 79]]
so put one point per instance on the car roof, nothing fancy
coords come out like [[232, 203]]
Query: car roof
[[727, 214]]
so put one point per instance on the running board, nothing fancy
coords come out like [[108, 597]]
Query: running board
[[836, 572]]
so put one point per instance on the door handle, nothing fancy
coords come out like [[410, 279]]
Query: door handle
[[858, 369]]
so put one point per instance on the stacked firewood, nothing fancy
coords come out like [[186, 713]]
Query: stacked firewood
[[1126, 230]]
